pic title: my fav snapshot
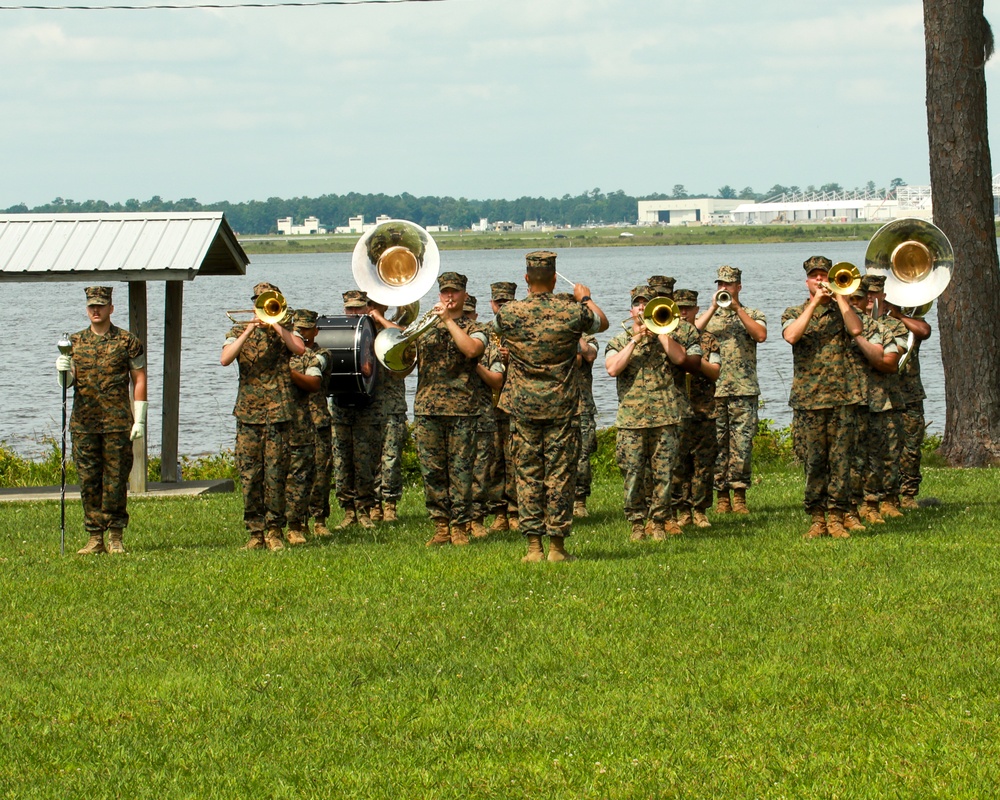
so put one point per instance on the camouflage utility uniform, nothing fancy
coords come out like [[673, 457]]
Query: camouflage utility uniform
[[301, 444], [319, 411], [357, 447], [885, 407], [588, 426], [694, 475], [913, 424], [390, 395], [487, 484]]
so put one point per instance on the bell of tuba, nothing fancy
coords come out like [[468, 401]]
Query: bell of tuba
[[843, 278], [916, 259], [661, 315], [395, 349], [396, 262]]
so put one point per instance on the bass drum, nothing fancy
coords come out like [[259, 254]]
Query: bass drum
[[354, 369]]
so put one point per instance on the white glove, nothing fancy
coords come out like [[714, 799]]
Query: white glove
[[139, 426], [64, 365]]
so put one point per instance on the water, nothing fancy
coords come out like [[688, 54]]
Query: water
[[30, 398]]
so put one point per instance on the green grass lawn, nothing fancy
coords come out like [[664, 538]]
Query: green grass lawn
[[739, 661]]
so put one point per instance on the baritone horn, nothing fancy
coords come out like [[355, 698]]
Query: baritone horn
[[269, 307], [916, 259], [661, 315], [843, 278]]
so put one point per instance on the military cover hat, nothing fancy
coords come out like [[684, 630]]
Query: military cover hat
[[452, 280], [541, 258], [816, 262], [642, 290], [686, 297], [98, 295], [728, 274], [260, 288], [354, 298], [662, 284], [305, 319], [503, 290], [470, 303], [873, 283]]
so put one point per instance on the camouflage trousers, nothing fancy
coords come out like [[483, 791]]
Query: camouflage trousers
[[588, 446], [103, 462], [487, 487], [262, 461], [646, 458], [694, 473], [883, 451], [912, 440], [357, 449], [505, 464], [826, 438], [298, 487], [859, 455], [545, 466], [319, 496], [447, 449], [389, 481], [735, 429]]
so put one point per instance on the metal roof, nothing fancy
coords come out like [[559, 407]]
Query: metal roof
[[118, 247]]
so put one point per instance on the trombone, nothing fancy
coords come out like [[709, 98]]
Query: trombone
[[843, 278], [661, 315], [269, 307]]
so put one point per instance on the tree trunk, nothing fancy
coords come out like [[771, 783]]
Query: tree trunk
[[956, 38]]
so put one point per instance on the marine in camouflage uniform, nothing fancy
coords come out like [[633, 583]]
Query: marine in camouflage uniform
[[541, 393], [487, 491], [496, 357], [825, 392], [319, 410], [307, 380], [588, 424], [104, 360], [357, 440], [694, 475], [651, 408], [913, 424], [447, 412], [263, 414], [738, 330]]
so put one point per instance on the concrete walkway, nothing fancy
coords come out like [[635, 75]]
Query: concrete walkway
[[180, 489]]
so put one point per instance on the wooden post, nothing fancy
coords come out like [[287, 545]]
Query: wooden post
[[137, 322], [172, 315]]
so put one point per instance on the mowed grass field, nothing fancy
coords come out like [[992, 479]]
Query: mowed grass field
[[739, 661]]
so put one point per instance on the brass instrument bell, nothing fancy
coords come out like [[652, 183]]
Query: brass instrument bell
[[723, 299], [661, 315], [916, 259], [844, 278], [396, 262], [269, 307]]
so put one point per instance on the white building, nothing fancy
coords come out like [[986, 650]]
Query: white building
[[311, 226], [689, 211], [906, 201]]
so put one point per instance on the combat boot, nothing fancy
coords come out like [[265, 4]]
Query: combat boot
[[512, 521], [638, 531], [672, 528], [320, 529], [699, 518], [295, 536], [375, 513], [116, 546], [659, 534], [580, 508], [648, 527], [441, 533], [723, 506], [364, 519], [94, 547], [273, 539], [908, 502], [818, 527], [557, 551], [256, 541], [852, 521], [684, 517], [535, 551], [890, 508], [500, 522], [835, 525], [350, 518], [740, 501], [869, 513], [389, 511], [459, 533], [479, 529]]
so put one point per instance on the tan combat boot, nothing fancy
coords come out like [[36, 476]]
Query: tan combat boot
[[273, 539], [658, 533], [319, 527], [94, 546], [441, 533], [500, 522], [723, 506], [295, 536], [580, 508], [375, 513], [557, 551], [890, 508], [116, 546], [672, 528], [908, 502], [684, 517], [460, 533], [740, 501], [365, 519], [350, 518], [835, 525], [699, 518], [852, 521], [535, 551], [512, 521], [818, 527], [638, 531], [869, 513], [479, 529], [389, 511], [648, 527], [256, 541]]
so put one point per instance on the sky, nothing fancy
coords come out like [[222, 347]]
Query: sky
[[468, 98]]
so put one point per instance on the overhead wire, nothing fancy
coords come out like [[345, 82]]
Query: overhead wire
[[188, 6]]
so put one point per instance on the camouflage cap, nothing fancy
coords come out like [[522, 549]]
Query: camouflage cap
[[503, 290], [541, 258], [686, 297], [354, 298], [98, 295], [452, 280], [663, 285], [305, 319], [873, 283], [643, 290], [260, 288], [470, 303], [816, 262], [728, 274]]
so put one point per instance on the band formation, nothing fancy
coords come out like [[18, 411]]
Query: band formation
[[505, 416]]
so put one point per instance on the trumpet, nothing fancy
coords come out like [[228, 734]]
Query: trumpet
[[843, 278], [723, 299], [269, 307]]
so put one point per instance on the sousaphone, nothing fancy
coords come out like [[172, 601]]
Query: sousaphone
[[916, 259]]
